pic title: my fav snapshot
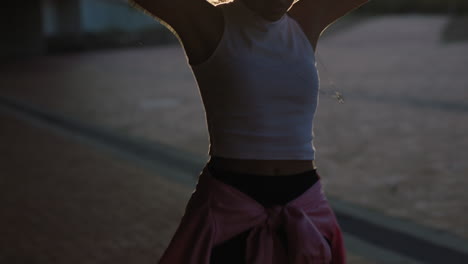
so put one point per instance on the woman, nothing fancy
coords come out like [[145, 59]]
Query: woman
[[259, 198]]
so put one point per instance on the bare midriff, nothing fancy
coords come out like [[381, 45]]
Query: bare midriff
[[262, 167]]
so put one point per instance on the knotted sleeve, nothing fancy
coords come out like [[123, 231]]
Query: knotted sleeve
[[193, 239], [306, 244], [217, 212], [337, 244], [325, 220]]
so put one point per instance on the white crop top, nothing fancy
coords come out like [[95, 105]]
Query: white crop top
[[259, 88]]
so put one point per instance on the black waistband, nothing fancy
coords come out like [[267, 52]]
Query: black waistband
[[268, 190]]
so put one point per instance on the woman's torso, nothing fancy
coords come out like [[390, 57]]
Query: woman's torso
[[198, 53]]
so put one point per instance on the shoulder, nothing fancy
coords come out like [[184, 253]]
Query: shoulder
[[315, 16], [198, 24], [205, 21], [312, 34], [202, 35]]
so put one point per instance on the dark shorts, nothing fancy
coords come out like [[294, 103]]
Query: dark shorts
[[266, 190]]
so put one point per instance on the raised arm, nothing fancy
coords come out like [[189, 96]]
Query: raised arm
[[187, 19], [315, 16]]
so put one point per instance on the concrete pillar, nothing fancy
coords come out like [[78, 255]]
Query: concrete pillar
[[21, 29]]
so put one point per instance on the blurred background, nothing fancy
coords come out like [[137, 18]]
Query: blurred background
[[103, 131]]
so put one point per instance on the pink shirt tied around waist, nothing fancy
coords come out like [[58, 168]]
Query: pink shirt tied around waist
[[217, 212]]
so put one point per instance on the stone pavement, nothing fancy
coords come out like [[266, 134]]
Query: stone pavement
[[398, 144]]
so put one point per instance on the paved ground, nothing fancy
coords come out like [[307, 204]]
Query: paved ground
[[398, 144], [65, 201]]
